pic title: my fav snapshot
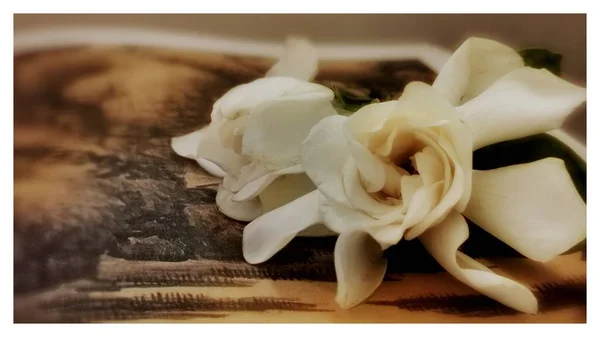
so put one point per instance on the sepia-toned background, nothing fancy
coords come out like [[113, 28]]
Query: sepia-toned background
[[563, 33], [111, 225]]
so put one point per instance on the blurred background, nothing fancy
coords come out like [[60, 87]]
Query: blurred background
[[561, 33]]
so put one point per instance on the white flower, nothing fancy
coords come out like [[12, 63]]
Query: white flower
[[403, 169], [255, 133]]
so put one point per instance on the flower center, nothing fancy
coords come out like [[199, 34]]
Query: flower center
[[399, 161], [408, 165]]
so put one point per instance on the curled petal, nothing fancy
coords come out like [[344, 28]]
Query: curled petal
[[393, 180], [423, 201], [443, 241], [213, 157], [388, 235], [187, 145], [359, 267], [340, 218], [334, 191], [370, 119], [285, 189], [247, 210], [473, 67], [299, 60], [431, 140], [211, 167], [429, 165], [253, 188], [276, 129], [269, 233], [534, 207], [387, 229], [525, 102], [371, 168], [410, 185], [458, 143], [424, 106], [356, 194], [235, 180], [239, 100], [324, 151], [453, 188], [382, 146], [231, 132], [450, 200]]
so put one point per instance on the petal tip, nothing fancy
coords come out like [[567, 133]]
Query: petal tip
[[344, 303], [249, 248], [211, 167], [530, 307], [185, 145]]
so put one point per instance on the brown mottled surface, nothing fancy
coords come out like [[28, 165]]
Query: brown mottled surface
[[111, 225]]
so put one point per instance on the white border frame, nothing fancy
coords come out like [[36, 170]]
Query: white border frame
[[49, 38], [36, 39]]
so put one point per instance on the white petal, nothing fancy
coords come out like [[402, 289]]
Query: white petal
[[211, 167], [299, 60], [370, 118], [386, 229], [457, 140], [419, 106], [388, 235], [324, 151], [429, 165], [235, 180], [393, 181], [525, 102], [340, 218], [421, 204], [359, 267], [473, 67], [231, 132], [253, 188], [239, 100], [334, 190], [533, 207], [423, 106], [443, 241], [371, 168], [432, 140], [285, 189], [383, 147], [247, 210], [211, 148], [356, 194], [410, 185], [268, 234], [187, 145], [205, 147], [253, 171], [450, 198], [275, 130]]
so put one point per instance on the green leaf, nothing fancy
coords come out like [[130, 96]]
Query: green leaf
[[542, 58], [347, 101]]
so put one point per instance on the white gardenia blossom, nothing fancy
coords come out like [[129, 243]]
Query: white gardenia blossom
[[256, 130], [403, 169]]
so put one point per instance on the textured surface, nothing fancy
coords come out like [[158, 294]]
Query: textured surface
[[111, 225]]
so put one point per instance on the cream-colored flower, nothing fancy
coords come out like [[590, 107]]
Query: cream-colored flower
[[254, 137], [403, 169]]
